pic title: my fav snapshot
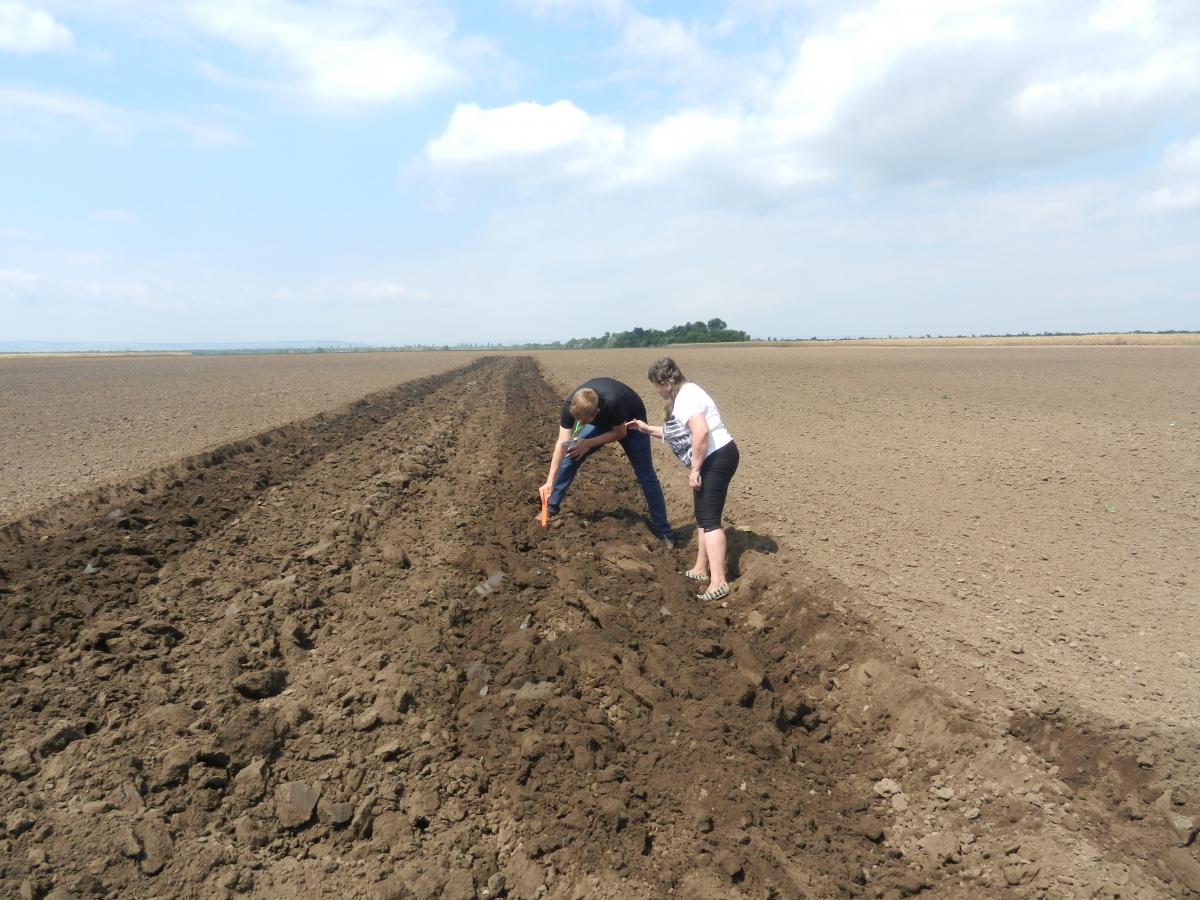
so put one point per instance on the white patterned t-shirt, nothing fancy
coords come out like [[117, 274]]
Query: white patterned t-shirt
[[690, 400]]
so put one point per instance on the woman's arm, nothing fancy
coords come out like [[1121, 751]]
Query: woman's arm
[[698, 426], [644, 427]]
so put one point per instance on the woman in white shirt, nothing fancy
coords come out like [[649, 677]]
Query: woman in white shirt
[[692, 420]]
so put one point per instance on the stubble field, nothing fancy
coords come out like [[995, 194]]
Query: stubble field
[[338, 656]]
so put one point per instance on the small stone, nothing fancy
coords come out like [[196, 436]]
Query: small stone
[[393, 553], [1146, 760], [176, 762], [367, 720], [388, 750], [1183, 827], [971, 812], [18, 763], [251, 782], [424, 803], [941, 848], [386, 707], [17, 823], [157, 844], [1020, 872], [1184, 867], [260, 683], [944, 793], [128, 842], [336, 814], [899, 802], [294, 803], [61, 735], [886, 787]]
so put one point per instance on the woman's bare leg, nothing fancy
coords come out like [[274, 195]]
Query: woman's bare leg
[[713, 546], [701, 566]]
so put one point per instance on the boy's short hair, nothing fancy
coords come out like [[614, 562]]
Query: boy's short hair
[[585, 404]]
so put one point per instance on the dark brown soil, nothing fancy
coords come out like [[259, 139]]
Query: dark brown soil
[[341, 658]]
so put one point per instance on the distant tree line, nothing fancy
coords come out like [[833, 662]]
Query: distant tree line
[[714, 331]]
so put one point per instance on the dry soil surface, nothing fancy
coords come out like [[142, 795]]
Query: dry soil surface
[[340, 657], [74, 423], [1030, 516]]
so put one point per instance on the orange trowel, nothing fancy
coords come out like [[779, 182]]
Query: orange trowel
[[544, 496]]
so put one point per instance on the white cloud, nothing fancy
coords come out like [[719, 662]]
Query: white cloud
[[25, 29], [341, 51], [61, 105], [1179, 179], [526, 132], [610, 8], [899, 90], [114, 293], [654, 38], [1183, 157], [385, 291], [16, 282], [713, 152], [34, 107]]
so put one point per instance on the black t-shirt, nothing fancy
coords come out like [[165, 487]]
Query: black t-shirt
[[618, 404]]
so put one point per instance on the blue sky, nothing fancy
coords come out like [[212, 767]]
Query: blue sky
[[362, 170]]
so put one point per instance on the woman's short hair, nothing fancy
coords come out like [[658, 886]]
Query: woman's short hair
[[585, 404], [664, 371]]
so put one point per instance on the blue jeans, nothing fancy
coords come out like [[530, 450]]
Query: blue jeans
[[637, 449]]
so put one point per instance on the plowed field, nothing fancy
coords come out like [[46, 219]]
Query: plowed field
[[341, 658]]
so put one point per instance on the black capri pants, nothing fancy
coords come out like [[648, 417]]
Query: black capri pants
[[715, 474]]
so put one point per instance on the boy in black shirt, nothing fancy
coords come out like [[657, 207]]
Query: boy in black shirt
[[593, 415]]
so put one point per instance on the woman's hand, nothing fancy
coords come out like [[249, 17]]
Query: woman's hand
[[694, 480], [637, 425]]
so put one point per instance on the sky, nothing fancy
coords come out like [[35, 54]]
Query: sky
[[390, 172]]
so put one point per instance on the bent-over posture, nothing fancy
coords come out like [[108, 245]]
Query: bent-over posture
[[594, 414], [694, 431]]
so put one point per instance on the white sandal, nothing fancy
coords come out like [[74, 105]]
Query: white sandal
[[716, 593]]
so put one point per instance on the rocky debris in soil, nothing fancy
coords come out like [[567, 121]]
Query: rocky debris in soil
[[295, 802], [260, 683]]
